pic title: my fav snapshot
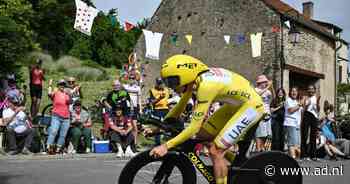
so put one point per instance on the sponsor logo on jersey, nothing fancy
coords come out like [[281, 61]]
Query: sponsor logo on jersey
[[238, 127], [239, 93], [187, 65]]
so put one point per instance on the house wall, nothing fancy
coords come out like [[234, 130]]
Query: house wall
[[343, 53], [208, 21], [317, 54]]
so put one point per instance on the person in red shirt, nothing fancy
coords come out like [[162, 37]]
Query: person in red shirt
[[120, 133], [36, 75], [60, 118]]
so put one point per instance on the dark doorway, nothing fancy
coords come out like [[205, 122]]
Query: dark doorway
[[302, 81]]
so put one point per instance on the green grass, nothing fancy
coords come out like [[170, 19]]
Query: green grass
[[92, 90]]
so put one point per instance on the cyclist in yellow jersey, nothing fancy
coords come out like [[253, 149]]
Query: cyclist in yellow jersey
[[242, 108]]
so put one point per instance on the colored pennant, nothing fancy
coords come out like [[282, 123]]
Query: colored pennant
[[256, 44], [227, 39], [287, 23], [189, 39], [84, 18], [275, 29], [113, 21], [128, 26], [153, 41], [173, 38], [240, 39]]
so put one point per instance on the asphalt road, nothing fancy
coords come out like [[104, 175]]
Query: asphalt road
[[106, 171]]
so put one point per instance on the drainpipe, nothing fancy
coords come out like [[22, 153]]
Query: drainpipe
[[335, 73], [282, 62]]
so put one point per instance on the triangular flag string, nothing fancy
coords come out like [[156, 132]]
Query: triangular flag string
[[128, 26], [173, 38], [227, 39], [84, 18], [189, 38]]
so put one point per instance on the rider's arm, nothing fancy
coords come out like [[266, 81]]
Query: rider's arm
[[180, 107], [194, 126], [205, 95]]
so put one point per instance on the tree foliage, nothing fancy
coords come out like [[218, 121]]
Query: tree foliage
[[16, 35], [27, 25]]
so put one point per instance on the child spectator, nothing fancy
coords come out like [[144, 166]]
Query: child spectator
[[120, 132], [264, 129], [134, 91], [293, 109], [328, 122], [36, 75]]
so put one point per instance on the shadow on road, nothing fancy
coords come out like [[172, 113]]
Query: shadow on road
[[5, 177]]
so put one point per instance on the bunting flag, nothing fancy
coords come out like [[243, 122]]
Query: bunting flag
[[275, 29], [152, 44], [173, 38], [85, 16], [227, 39], [240, 39], [189, 39], [128, 26], [113, 21], [287, 23], [256, 44]]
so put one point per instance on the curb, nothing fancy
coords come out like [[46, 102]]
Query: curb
[[108, 156]]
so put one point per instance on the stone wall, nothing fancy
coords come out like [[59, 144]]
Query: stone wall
[[317, 54], [208, 21], [343, 53]]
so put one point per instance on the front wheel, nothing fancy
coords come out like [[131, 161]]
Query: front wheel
[[174, 168]]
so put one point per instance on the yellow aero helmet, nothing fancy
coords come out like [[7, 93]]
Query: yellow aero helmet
[[180, 70]]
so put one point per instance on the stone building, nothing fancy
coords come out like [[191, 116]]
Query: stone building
[[312, 60]]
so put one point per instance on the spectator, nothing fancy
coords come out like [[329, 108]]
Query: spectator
[[159, 96], [277, 119], [343, 145], [60, 116], [264, 129], [119, 96], [80, 126], [310, 122], [293, 110], [36, 75], [17, 127], [325, 147], [74, 90], [13, 92], [120, 132], [134, 91], [328, 122]]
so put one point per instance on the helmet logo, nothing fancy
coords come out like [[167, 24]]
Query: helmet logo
[[187, 65]]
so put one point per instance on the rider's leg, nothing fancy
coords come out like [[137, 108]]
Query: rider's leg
[[260, 142], [220, 117], [234, 129], [220, 168]]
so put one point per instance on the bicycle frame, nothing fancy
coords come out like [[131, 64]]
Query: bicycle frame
[[187, 149]]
